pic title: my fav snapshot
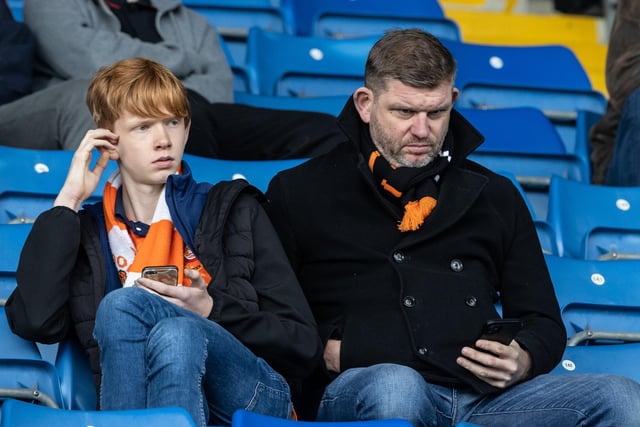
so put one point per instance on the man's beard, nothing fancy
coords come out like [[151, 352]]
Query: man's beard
[[392, 152]]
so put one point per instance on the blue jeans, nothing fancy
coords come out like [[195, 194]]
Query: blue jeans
[[395, 391], [156, 354], [624, 169]]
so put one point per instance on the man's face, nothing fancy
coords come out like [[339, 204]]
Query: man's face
[[150, 149], [408, 125]]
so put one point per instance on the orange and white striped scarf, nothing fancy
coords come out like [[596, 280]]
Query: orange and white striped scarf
[[163, 244]]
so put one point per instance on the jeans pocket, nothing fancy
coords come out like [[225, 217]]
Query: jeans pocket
[[271, 401]]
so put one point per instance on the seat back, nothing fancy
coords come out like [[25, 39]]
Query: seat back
[[597, 297], [506, 130], [31, 179], [355, 18], [618, 359], [23, 372], [546, 234], [257, 172], [524, 142], [548, 77], [595, 222], [16, 7], [20, 414], [233, 18], [242, 418], [287, 65], [12, 238], [76, 377]]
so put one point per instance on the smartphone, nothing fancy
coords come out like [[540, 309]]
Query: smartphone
[[501, 330], [167, 274]]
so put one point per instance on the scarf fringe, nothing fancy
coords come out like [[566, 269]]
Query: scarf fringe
[[415, 212]]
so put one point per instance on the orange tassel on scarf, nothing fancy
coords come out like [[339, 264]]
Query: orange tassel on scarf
[[415, 212]]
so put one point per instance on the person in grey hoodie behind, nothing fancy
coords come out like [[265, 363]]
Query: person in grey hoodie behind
[[75, 38]]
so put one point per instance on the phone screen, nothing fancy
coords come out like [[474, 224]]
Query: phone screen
[[167, 274]]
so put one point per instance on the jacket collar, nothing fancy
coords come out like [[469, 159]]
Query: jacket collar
[[466, 138], [186, 199]]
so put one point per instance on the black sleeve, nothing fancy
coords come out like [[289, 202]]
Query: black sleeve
[[272, 318], [37, 310]]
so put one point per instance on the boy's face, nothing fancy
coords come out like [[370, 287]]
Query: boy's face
[[150, 149]]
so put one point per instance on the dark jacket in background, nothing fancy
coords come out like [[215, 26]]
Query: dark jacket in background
[[17, 49]]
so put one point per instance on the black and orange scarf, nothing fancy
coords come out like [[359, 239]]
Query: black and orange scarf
[[416, 189]]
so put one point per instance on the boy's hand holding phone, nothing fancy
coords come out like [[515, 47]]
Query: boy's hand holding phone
[[195, 297]]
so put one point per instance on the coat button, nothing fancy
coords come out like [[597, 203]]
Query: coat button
[[423, 351], [456, 265], [398, 257], [471, 301], [409, 301]]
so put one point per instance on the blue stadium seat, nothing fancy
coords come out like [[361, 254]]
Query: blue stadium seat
[[20, 414], [549, 77], [257, 172], [599, 300], [242, 418], [619, 359], [24, 374], [595, 222], [524, 142], [242, 83], [31, 179], [16, 9], [601, 311], [505, 130], [233, 18], [574, 132], [355, 18], [286, 65], [12, 238], [76, 378], [546, 234], [322, 104]]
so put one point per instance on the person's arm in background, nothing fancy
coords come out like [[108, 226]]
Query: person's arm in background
[[17, 48], [78, 37]]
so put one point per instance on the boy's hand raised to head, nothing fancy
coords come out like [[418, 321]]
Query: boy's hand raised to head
[[81, 180]]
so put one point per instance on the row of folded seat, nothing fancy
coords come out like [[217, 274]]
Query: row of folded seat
[[581, 220], [305, 66]]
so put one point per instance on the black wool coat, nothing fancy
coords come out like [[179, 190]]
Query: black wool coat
[[415, 298]]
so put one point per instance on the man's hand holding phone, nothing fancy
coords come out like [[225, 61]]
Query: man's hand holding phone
[[496, 358]]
